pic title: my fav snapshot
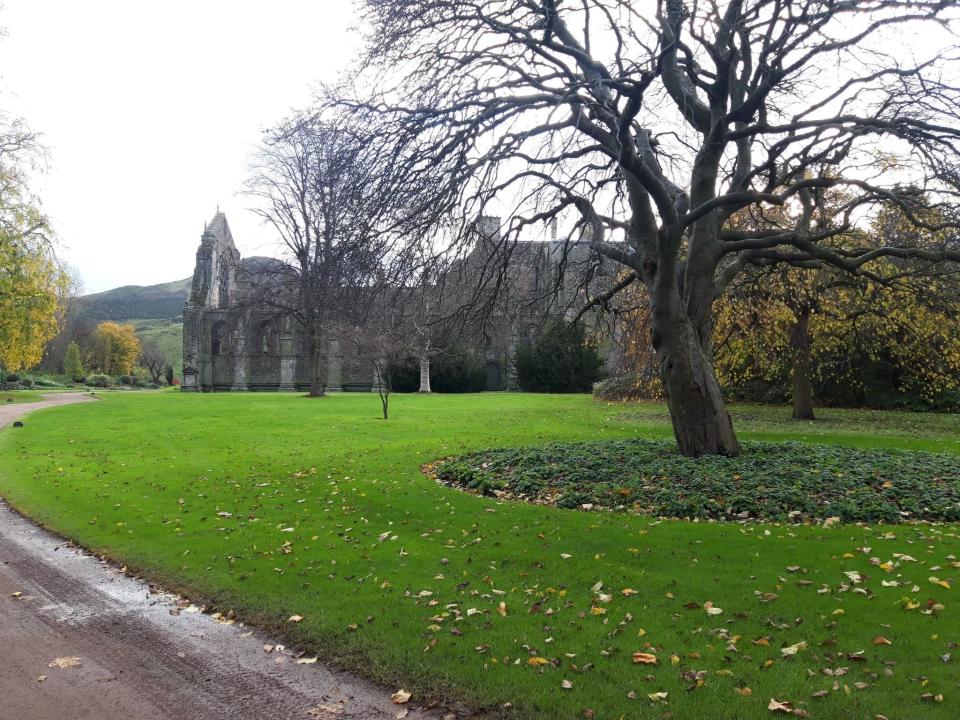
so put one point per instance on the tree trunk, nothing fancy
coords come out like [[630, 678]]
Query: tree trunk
[[701, 423], [425, 373], [802, 386], [316, 364], [385, 402]]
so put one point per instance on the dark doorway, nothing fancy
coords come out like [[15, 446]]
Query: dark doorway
[[493, 375]]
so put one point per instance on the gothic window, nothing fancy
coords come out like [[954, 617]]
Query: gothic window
[[269, 338], [218, 339], [223, 290], [530, 335]]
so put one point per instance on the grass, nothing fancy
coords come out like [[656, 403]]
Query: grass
[[20, 396], [862, 428], [275, 505]]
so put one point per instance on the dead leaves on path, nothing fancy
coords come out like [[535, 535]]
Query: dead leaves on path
[[401, 697]]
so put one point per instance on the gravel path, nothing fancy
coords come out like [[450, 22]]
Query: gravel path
[[14, 411]]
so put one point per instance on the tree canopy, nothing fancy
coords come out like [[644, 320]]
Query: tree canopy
[[651, 127], [33, 286]]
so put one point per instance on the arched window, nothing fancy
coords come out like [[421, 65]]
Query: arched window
[[218, 339], [223, 289], [268, 338], [530, 335]]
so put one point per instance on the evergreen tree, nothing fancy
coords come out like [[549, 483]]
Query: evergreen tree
[[72, 364], [562, 360]]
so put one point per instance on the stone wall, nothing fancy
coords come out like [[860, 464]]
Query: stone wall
[[232, 342]]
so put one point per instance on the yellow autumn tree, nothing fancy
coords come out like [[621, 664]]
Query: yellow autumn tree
[[827, 326], [791, 328], [114, 348], [33, 287]]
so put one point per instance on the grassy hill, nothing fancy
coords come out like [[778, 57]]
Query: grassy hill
[[156, 311], [135, 302], [167, 334]]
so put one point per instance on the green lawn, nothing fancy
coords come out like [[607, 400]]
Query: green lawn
[[20, 396], [274, 505]]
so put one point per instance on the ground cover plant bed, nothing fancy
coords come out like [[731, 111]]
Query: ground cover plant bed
[[274, 505], [784, 482]]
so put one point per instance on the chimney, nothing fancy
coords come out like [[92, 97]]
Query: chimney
[[553, 229], [489, 227]]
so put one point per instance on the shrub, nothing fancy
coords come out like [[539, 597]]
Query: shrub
[[456, 371], [561, 360], [100, 380], [126, 380], [13, 377], [404, 375], [169, 374], [789, 481], [632, 386]]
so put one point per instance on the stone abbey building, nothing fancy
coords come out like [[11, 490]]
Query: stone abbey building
[[231, 343]]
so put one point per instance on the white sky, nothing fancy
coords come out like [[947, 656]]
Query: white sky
[[150, 111]]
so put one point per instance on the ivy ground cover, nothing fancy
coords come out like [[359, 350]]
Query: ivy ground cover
[[275, 505], [784, 482]]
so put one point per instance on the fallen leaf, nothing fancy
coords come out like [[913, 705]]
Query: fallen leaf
[[657, 696], [777, 706], [537, 661], [793, 649], [62, 663], [306, 661], [566, 685], [642, 658], [400, 697], [881, 640], [295, 618], [324, 711]]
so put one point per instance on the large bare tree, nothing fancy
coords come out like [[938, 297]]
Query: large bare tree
[[319, 185], [656, 124]]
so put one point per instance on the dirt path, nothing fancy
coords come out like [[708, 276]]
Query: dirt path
[[13, 411], [134, 653]]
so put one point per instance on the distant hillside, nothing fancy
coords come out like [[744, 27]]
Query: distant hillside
[[133, 302], [166, 334], [155, 311]]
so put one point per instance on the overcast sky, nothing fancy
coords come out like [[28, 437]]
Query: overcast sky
[[150, 111]]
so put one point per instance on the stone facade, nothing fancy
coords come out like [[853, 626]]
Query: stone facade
[[232, 343]]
